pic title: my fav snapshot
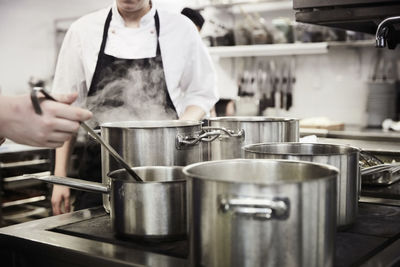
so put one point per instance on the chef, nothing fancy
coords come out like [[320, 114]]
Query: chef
[[130, 61]]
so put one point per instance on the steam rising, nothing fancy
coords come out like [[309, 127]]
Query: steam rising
[[130, 95]]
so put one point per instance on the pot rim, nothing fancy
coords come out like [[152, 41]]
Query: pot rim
[[147, 182], [351, 149], [150, 124], [333, 171], [252, 119]]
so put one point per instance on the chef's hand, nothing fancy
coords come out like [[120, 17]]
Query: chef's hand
[[60, 196], [59, 121], [192, 113]]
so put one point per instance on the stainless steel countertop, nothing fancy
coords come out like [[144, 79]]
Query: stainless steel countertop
[[35, 236], [373, 140], [371, 146], [354, 132], [85, 251]]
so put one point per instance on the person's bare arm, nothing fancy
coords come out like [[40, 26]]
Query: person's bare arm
[[193, 113], [61, 194], [59, 121]]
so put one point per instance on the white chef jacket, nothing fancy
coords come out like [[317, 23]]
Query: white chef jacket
[[188, 68]]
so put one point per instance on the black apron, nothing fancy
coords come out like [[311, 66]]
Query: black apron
[[135, 83]]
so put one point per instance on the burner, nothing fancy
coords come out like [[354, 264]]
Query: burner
[[99, 229]]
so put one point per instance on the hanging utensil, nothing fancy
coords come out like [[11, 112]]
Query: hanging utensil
[[36, 106], [291, 81]]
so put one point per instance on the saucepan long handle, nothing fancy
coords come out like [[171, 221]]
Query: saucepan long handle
[[72, 182]]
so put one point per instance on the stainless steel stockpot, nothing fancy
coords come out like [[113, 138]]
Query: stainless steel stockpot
[[345, 158], [247, 212], [248, 130], [153, 209], [150, 143]]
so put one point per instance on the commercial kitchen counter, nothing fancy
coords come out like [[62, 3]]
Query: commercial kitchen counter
[[372, 140], [85, 238], [39, 243], [354, 132]]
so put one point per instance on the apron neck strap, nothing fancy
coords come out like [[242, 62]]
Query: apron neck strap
[[107, 26]]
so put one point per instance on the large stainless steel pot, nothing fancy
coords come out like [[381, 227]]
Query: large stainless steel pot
[[154, 209], [345, 158], [253, 130], [150, 143], [261, 213]]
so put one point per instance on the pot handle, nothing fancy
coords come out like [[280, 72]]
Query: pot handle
[[71, 182], [215, 132], [184, 141], [256, 208], [229, 133]]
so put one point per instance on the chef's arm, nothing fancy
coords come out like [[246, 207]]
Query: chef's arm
[[61, 194], [193, 113]]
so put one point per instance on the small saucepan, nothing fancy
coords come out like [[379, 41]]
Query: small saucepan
[[154, 209]]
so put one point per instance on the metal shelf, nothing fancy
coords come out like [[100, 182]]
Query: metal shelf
[[269, 50], [282, 49], [251, 6], [23, 201]]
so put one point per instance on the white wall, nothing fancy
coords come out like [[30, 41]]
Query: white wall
[[27, 42], [27, 46]]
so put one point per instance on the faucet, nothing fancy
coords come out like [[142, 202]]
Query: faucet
[[385, 28]]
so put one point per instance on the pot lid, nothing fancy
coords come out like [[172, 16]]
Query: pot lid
[[150, 124]]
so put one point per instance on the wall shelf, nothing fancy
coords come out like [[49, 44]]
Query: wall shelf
[[251, 6], [282, 49], [269, 50]]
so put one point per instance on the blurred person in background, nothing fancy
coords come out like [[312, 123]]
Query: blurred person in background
[[224, 107], [102, 51], [194, 16]]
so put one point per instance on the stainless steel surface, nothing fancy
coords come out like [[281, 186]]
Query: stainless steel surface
[[149, 143], [375, 147], [155, 208], [375, 200], [256, 130], [25, 163], [73, 183], [78, 251], [354, 133], [111, 150], [20, 182], [255, 208], [210, 134], [345, 158], [383, 30], [23, 201], [38, 238], [296, 229]]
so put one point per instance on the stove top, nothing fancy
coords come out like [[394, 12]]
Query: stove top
[[376, 227], [85, 238], [387, 192], [99, 229]]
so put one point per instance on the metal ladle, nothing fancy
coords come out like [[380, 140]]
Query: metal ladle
[[88, 129]]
